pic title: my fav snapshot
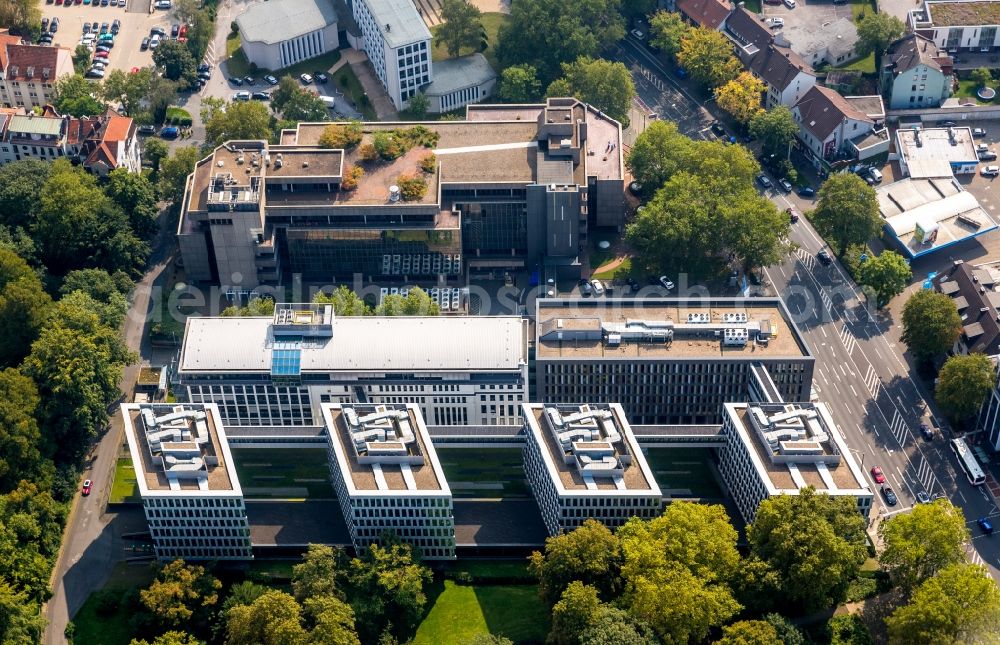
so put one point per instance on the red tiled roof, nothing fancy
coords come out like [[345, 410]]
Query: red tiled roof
[[6, 39], [705, 13], [33, 57]]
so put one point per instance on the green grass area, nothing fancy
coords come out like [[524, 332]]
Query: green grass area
[[683, 472], [167, 324], [967, 90], [283, 473], [114, 629], [865, 65], [490, 568], [124, 488], [178, 116], [859, 7], [460, 612], [233, 43], [623, 269], [753, 6], [349, 84], [491, 23], [490, 473]]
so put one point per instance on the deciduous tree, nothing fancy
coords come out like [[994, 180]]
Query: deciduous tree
[[741, 97], [520, 84], [755, 231], [575, 612], [961, 604], [886, 274], [748, 632], [24, 307], [174, 172], [22, 17], [76, 96], [847, 212], [20, 184], [708, 56], [179, 591], [590, 554], [605, 85], [876, 31], [667, 29], [388, 584], [272, 619], [981, 76], [128, 89], [177, 63], [317, 574], [614, 626], [20, 439], [332, 621], [172, 637], [657, 154], [135, 195], [237, 120], [155, 150], [462, 26], [345, 302], [775, 128], [20, 619], [931, 324], [963, 384], [416, 303], [920, 543]]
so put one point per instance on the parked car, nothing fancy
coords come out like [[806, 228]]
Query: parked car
[[182, 34], [249, 80], [238, 82], [154, 42], [785, 185], [45, 25], [718, 130], [680, 72], [988, 155], [144, 45], [585, 288], [174, 30], [169, 132], [764, 182], [320, 77], [306, 79], [946, 124], [978, 132], [158, 31], [923, 498], [824, 257], [147, 129], [789, 3], [204, 67], [206, 75], [121, 3], [54, 26], [776, 23], [990, 171], [93, 72], [261, 96], [163, 4], [888, 493], [116, 26], [241, 96], [635, 187], [87, 485], [637, 34], [665, 283], [806, 191], [927, 432], [985, 524], [271, 80], [598, 287], [878, 475], [94, 27]]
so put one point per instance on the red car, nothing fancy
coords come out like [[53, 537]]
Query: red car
[[877, 475], [86, 487]]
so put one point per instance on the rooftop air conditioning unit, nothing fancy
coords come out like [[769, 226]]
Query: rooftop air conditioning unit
[[394, 194]]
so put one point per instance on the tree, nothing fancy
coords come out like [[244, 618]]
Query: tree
[[886, 274], [155, 150], [748, 632], [708, 56], [332, 620], [963, 384], [129, 89], [20, 184], [520, 84], [614, 626], [81, 59], [177, 63], [590, 554], [848, 629], [22, 17], [174, 172], [573, 613], [297, 104], [755, 231], [238, 120], [931, 324], [416, 303], [741, 97], [463, 26], [254, 307], [20, 439], [419, 104], [317, 574], [546, 34], [345, 302], [666, 31], [922, 542], [847, 212], [162, 93], [388, 584], [169, 638], [490, 639], [179, 592], [24, 307], [657, 154], [20, 619], [70, 206], [876, 31], [688, 553], [982, 76], [341, 135], [605, 85], [242, 593], [272, 619], [135, 195], [961, 604], [775, 128], [813, 543], [788, 634], [74, 95]]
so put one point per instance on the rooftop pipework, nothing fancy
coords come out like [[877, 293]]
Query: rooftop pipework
[[793, 433], [589, 439], [180, 443], [385, 435]]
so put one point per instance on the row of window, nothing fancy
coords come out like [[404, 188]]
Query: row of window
[[193, 502]]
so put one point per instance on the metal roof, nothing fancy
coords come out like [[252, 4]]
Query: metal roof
[[424, 343], [31, 124], [280, 20], [398, 21], [459, 73]]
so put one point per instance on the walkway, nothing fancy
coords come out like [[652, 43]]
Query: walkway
[[362, 68]]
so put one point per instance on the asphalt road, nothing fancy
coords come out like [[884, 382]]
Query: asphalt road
[[861, 373]]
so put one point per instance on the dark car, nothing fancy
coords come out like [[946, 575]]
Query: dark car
[[170, 132], [54, 26], [824, 257], [927, 432], [718, 129], [985, 524], [45, 25], [144, 45], [807, 191], [174, 30], [104, 28], [205, 76], [238, 82], [204, 67], [946, 124], [585, 288], [764, 182], [260, 96], [632, 283], [160, 31], [94, 27], [147, 129], [792, 215], [116, 26], [890, 495], [320, 77]]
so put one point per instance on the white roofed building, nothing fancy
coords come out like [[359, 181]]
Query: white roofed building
[[398, 45], [280, 33]]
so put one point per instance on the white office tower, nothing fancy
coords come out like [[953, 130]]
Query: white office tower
[[582, 461], [190, 493], [780, 448], [388, 477]]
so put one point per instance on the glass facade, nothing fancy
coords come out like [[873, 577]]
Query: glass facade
[[494, 227], [319, 254]]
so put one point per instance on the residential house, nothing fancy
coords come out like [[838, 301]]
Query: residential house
[[958, 25], [833, 127], [786, 76], [28, 72], [833, 42], [916, 73], [710, 14], [111, 142]]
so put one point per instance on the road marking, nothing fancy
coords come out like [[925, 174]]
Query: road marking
[[823, 329], [872, 382], [853, 391], [899, 428], [846, 337], [925, 475]]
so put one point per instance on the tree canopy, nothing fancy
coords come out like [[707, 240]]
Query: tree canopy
[[520, 84], [22, 17], [296, 103], [666, 31], [74, 95], [179, 592], [605, 85], [931, 324], [387, 584], [886, 274], [236, 120], [922, 542], [707, 55], [174, 171], [847, 212], [775, 128], [24, 307], [345, 302], [876, 31], [740, 97], [963, 384], [462, 26], [177, 63], [590, 554], [20, 457]]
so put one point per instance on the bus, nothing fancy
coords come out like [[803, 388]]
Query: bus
[[968, 462]]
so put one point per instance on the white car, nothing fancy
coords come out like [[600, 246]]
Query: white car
[[982, 147], [789, 3], [667, 284], [306, 79], [241, 96], [598, 287], [990, 171], [776, 22], [638, 34], [154, 42]]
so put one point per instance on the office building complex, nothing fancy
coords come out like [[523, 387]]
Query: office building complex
[[666, 360], [388, 478], [583, 462], [186, 477], [468, 370], [398, 44], [779, 449], [280, 33], [511, 186]]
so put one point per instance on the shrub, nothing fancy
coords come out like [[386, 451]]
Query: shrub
[[428, 162], [234, 28], [352, 177], [387, 145], [412, 187], [341, 136], [368, 153], [107, 603]]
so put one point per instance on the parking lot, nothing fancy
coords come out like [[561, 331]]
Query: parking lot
[[136, 22]]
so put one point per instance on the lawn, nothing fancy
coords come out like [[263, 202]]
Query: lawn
[[349, 84], [865, 65], [859, 7], [753, 6], [283, 473], [967, 90], [124, 487], [91, 629], [491, 23], [491, 568], [460, 612], [683, 472], [492, 473]]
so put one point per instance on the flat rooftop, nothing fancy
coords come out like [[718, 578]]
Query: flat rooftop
[[384, 449], [931, 152], [399, 343], [794, 445], [586, 328], [589, 449], [179, 449], [964, 14]]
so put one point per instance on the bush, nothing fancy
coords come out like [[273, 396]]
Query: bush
[[107, 603], [341, 136], [178, 116], [234, 28], [428, 162], [387, 145], [861, 588], [352, 177], [368, 153], [412, 187], [852, 259]]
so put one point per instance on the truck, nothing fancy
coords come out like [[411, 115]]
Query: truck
[[328, 101]]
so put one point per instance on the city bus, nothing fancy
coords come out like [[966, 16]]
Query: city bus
[[968, 462]]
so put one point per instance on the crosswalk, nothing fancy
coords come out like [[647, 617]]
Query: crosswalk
[[652, 78], [873, 383], [925, 475], [975, 558], [899, 429], [807, 259], [850, 342]]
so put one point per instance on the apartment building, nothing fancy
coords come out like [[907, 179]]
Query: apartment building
[[833, 127], [780, 448], [785, 74], [398, 45], [666, 360], [512, 186], [583, 462], [190, 492], [916, 73], [262, 371], [958, 26], [388, 478], [28, 72]]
